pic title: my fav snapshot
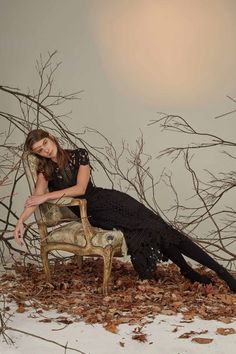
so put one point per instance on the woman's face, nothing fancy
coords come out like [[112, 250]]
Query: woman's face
[[45, 148]]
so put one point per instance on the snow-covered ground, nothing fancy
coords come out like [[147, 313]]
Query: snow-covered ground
[[162, 336]]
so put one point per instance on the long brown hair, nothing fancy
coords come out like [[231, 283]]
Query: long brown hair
[[46, 166]]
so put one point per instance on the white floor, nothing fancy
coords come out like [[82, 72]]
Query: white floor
[[162, 336]]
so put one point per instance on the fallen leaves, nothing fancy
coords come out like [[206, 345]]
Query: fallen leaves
[[140, 337], [191, 333], [46, 320], [77, 292], [227, 299], [188, 316], [20, 308], [202, 340], [111, 327], [225, 319], [225, 331]]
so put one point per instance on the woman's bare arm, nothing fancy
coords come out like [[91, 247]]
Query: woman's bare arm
[[79, 189], [40, 189]]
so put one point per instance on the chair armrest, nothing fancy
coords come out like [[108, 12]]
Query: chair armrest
[[82, 203], [66, 201]]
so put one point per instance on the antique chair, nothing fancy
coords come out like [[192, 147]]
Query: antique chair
[[60, 229]]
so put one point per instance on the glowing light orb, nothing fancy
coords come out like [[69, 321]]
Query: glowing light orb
[[167, 49]]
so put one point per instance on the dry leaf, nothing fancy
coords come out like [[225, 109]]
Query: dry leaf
[[187, 321], [65, 321], [209, 288], [139, 297], [225, 319], [111, 327], [227, 298], [188, 316], [122, 344], [21, 308], [186, 335], [202, 340], [225, 331], [174, 297], [168, 312], [140, 337], [191, 333], [8, 277], [177, 304], [202, 311], [107, 298]]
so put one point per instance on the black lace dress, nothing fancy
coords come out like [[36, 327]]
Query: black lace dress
[[147, 235]]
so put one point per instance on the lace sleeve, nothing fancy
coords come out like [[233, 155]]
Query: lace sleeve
[[82, 157]]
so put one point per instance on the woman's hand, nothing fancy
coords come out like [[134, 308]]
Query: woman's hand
[[19, 232], [35, 200]]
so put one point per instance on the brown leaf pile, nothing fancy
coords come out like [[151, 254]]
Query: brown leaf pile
[[78, 292]]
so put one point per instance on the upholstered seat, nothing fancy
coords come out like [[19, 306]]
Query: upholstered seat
[[60, 228], [73, 233]]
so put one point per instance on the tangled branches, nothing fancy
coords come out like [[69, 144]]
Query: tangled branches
[[212, 192]]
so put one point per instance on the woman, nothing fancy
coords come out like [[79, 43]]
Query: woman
[[149, 238]]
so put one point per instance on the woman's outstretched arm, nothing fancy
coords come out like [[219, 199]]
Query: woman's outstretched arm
[[40, 189]]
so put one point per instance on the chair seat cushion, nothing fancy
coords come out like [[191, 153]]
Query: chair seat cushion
[[73, 233]]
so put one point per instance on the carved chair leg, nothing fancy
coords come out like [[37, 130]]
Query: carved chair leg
[[107, 258], [44, 255], [79, 261]]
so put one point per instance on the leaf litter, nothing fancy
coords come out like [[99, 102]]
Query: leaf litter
[[78, 292]]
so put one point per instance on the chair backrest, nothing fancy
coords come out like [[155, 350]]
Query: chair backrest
[[48, 213]]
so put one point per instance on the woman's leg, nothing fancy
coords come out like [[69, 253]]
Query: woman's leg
[[174, 254], [193, 251]]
